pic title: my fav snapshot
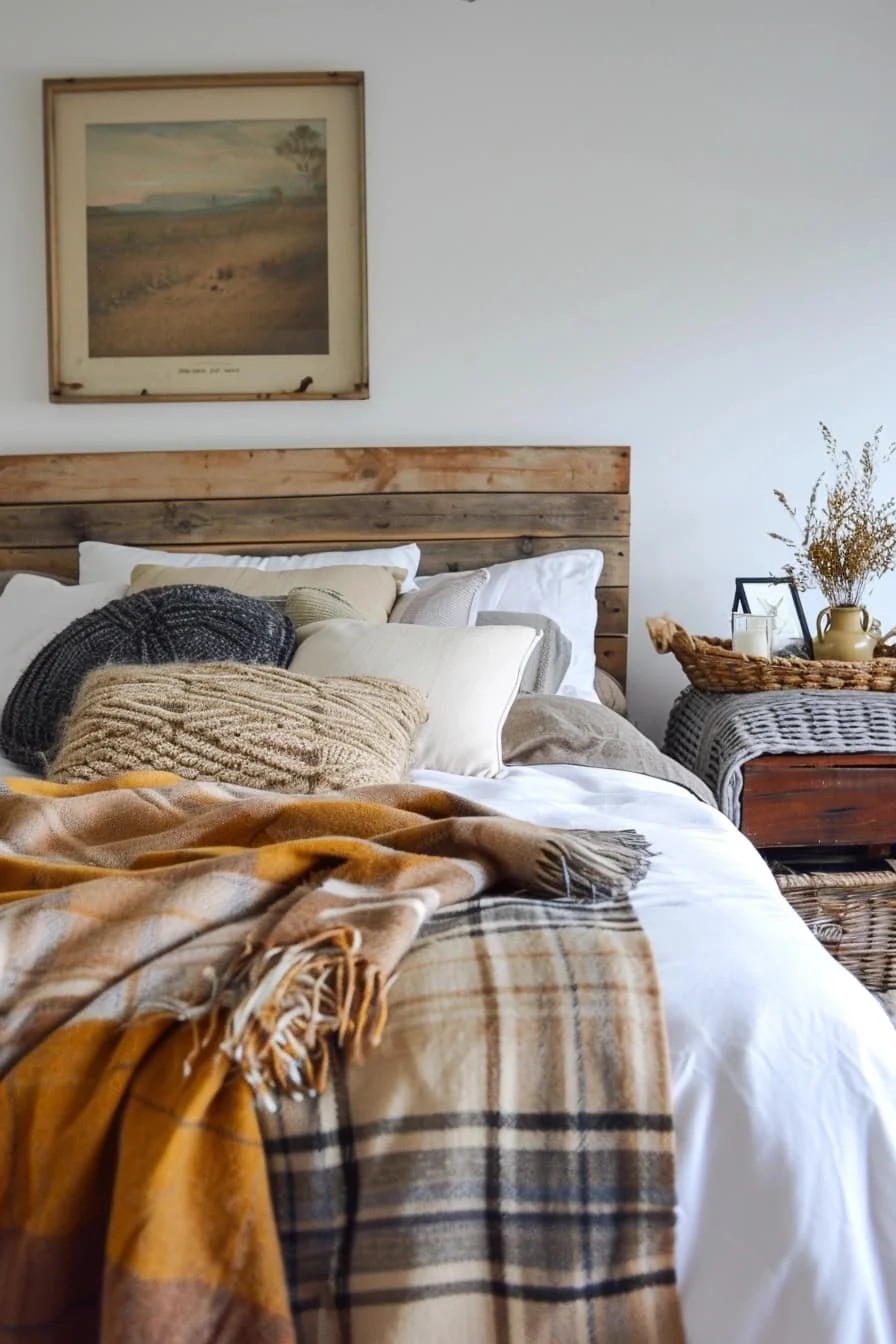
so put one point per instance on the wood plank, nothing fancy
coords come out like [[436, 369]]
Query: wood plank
[[437, 556], [380, 518], [820, 801], [612, 652], [612, 611], [268, 472], [62, 563]]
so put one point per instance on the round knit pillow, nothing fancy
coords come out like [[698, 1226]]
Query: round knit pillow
[[186, 623]]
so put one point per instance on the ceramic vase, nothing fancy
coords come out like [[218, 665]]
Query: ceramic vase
[[844, 634]]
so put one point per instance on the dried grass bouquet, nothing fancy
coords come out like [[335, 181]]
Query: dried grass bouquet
[[847, 538]]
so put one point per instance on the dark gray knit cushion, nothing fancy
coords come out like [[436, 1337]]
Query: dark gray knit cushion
[[188, 623]]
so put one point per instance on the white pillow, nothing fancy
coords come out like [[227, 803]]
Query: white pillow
[[32, 610], [469, 675], [103, 561], [560, 585]]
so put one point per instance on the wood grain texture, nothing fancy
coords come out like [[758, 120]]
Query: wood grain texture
[[284, 472], [467, 507], [611, 655], [383, 519], [820, 801], [437, 556], [612, 608]]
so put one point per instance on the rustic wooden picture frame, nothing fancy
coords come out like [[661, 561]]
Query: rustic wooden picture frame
[[206, 237]]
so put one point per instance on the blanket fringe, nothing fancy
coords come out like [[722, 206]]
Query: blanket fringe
[[593, 865], [287, 1004], [285, 1007]]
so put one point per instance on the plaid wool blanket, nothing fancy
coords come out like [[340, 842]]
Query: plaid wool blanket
[[183, 966]]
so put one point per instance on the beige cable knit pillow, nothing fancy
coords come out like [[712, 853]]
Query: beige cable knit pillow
[[241, 724]]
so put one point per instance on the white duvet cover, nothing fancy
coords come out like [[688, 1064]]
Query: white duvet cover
[[783, 1074]]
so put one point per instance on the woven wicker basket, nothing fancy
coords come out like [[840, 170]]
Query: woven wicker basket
[[712, 665], [854, 915]]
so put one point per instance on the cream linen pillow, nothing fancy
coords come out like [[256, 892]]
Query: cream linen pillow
[[106, 561], [470, 677], [371, 589]]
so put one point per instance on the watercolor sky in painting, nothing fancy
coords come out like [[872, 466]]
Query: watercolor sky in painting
[[126, 163]]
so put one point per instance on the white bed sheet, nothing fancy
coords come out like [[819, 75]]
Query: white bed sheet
[[783, 1074]]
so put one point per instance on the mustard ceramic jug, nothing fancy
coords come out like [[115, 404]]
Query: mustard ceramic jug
[[843, 633]]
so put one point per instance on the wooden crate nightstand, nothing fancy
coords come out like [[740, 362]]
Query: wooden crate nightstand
[[779, 766], [820, 802], [820, 817]]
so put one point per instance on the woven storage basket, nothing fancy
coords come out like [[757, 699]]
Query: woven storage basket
[[854, 915], [712, 665]]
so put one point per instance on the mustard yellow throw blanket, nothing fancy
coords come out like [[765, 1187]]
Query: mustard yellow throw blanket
[[175, 957]]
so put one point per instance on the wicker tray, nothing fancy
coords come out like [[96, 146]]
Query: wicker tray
[[712, 665], [854, 915]]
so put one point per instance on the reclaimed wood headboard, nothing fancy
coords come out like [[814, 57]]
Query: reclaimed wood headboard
[[465, 506]]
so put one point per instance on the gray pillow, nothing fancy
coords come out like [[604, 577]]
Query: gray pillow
[[549, 659], [184, 624], [442, 599]]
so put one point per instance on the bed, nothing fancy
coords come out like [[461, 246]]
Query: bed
[[782, 1068]]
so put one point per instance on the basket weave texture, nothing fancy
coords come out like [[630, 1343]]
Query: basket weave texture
[[712, 665], [854, 915]]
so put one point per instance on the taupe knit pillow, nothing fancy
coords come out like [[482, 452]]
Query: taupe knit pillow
[[238, 724], [303, 606]]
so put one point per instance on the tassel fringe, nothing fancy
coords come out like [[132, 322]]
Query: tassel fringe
[[291, 1003], [593, 866], [285, 1007]]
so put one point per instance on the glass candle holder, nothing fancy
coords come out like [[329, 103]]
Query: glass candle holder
[[751, 634]]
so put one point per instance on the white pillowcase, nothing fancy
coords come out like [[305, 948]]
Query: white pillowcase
[[560, 585], [469, 675], [104, 562], [33, 610]]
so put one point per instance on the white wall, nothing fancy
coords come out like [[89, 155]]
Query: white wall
[[633, 221]]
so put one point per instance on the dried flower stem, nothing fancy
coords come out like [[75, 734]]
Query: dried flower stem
[[847, 539]]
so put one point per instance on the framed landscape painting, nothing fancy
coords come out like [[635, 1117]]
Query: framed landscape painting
[[206, 237]]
